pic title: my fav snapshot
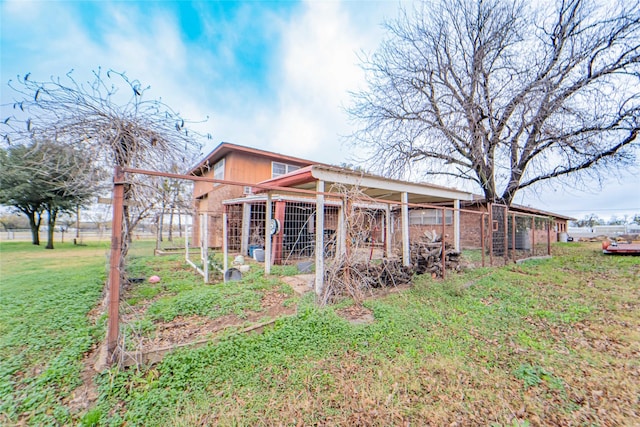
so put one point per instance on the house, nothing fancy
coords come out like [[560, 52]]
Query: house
[[295, 204], [386, 202], [231, 162], [394, 212]]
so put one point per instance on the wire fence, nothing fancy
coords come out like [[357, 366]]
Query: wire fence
[[351, 242]]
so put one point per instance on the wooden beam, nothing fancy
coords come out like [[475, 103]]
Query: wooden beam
[[278, 238], [113, 324]]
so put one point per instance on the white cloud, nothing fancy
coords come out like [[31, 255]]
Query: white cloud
[[318, 65], [310, 73]]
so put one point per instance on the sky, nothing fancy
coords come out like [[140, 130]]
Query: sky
[[274, 75]]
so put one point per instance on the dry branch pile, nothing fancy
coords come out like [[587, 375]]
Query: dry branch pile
[[357, 279], [355, 275]]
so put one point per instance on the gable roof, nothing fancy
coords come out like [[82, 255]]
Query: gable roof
[[225, 148]]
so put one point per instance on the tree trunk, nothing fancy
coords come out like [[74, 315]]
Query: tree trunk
[[52, 213], [170, 238], [160, 223], [35, 228]]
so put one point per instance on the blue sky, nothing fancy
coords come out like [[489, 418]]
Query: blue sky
[[268, 74]]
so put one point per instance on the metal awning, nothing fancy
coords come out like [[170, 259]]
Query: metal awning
[[374, 186]]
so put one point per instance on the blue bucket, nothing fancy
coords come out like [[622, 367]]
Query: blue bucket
[[253, 248]]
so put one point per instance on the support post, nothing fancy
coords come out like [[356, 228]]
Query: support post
[[267, 235], [278, 238], [246, 228], [319, 285], [513, 236], [204, 246], [456, 225], [113, 325], [225, 243], [482, 238], [491, 233], [549, 236], [444, 243], [387, 231], [341, 237], [533, 235], [406, 256], [505, 254], [187, 230]]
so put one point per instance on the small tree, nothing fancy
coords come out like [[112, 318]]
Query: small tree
[[20, 189], [45, 177], [505, 94]]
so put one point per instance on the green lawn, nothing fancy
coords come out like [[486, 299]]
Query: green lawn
[[551, 342], [45, 296]]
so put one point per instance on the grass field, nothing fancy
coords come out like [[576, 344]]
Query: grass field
[[548, 342]]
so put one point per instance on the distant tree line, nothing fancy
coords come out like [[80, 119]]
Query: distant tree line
[[592, 220]]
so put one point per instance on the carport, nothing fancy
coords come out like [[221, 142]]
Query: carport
[[388, 196]]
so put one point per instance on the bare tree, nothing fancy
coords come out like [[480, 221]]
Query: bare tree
[[114, 128], [504, 93]]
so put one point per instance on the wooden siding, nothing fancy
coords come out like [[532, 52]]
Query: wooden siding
[[240, 167]]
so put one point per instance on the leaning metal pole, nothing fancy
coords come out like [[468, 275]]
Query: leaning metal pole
[[113, 325]]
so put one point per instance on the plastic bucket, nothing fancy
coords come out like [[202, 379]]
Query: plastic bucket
[[253, 248], [258, 255], [232, 275]]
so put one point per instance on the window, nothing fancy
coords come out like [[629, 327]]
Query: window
[[278, 169], [218, 170], [429, 217]]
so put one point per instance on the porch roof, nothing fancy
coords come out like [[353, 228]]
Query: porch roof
[[376, 187]]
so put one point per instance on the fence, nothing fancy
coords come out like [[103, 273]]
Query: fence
[[356, 241]]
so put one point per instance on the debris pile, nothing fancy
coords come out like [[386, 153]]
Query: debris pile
[[358, 278], [426, 258]]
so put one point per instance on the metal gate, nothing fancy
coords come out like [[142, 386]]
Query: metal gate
[[499, 230]]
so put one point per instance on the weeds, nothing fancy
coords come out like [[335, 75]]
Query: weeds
[[547, 342]]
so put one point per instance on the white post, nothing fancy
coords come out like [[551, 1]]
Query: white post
[[456, 224], [204, 246], [225, 246], [341, 233], [267, 235], [186, 242], [319, 237], [406, 258], [387, 234], [246, 223]]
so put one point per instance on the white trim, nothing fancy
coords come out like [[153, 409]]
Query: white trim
[[380, 183]]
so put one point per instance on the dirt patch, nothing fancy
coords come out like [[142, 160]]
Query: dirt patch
[[86, 394], [357, 314], [185, 329]]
